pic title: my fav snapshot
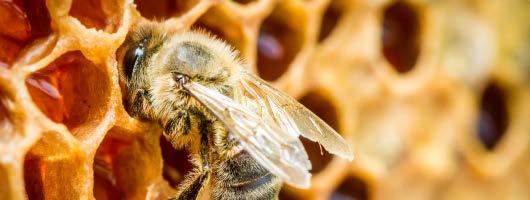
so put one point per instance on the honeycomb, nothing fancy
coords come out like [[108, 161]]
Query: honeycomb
[[433, 95]]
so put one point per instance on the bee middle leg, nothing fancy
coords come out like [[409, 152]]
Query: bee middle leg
[[193, 187], [140, 101], [196, 181]]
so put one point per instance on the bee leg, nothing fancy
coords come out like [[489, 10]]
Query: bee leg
[[178, 125], [192, 187], [192, 190], [139, 102], [195, 181]]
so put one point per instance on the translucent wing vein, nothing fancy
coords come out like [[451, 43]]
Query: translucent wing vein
[[291, 115]]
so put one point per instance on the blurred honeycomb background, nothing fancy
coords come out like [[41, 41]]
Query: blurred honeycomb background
[[433, 95]]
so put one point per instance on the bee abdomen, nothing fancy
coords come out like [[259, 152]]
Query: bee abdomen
[[241, 177]]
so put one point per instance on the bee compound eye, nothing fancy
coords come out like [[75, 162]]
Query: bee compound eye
[[131, 58]]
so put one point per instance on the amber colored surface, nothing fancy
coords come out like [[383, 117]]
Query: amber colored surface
[[5, 120], [163, 9], [89, 12], [35, 14], [432, 95], [400, 36], [44, 87], [352, 188], [38, 17], [25, 21], [14, 18], [493, 119], [10, 38], [330, 19], [278, 43], [66, 91], [8, 51], [104, 166], [244, 1], [230, 31]]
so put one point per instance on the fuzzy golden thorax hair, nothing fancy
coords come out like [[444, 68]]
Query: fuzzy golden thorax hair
[[151, 63]]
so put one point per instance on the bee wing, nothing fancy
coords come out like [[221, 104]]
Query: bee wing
[[278, 151], [291, 115]]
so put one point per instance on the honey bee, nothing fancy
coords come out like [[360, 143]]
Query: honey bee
[[241, 132]]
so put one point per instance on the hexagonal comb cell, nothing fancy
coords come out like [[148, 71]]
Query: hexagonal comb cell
[[38, 17], [52, 162], [223, 27], [326, 111], [330, 19], [163, 9], [45, 178], [279, 41], [99, 14], [493, 117], [71, 90], [401, 34], [105, 183], [125, 165], [26, 20]]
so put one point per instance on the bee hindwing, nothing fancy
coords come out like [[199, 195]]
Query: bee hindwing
[[291, 115]]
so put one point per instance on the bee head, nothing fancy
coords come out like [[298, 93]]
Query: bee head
[[156, 66], [138, 48]]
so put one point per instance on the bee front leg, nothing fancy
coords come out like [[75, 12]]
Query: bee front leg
[[181, 124], [140, 101]]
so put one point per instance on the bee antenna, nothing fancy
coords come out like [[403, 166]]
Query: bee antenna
[[181, 79]]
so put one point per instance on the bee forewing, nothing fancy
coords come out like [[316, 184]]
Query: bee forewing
[[278, 151], [293, 116]]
